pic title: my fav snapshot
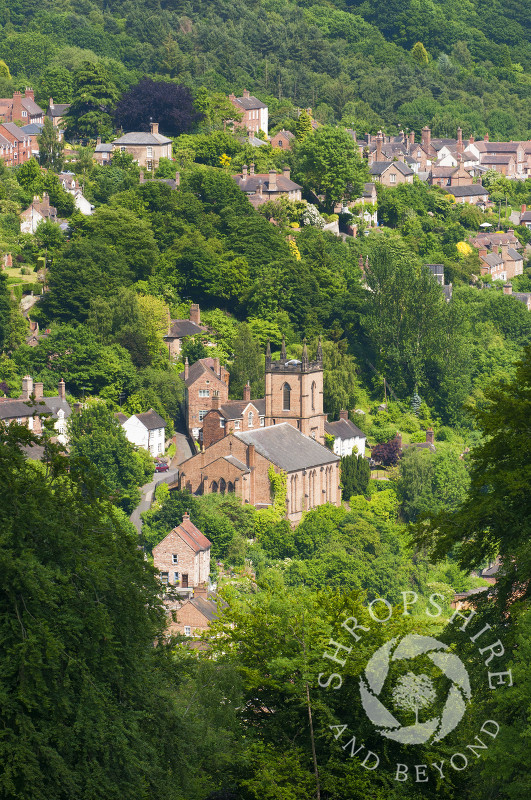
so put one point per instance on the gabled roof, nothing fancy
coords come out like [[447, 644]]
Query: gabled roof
[[31, 107], [235, 409], [151, 420], [525, 217], [379, 167], [11, 409], [15, 131], [192, 535], [183, 327], [250, 183], [207, 608], [237, 463], [5, 142], [493, 260], [344, 429], [488, 159], [58, 109], [33, 129], [474, 190], [199, 368], [56, 404], [104, 147], [139, 137], [250, 102], [288, 448], [285, 134], [497, 147], [515, 255]]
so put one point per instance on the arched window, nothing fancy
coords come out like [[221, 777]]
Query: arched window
[[214, 487], [250, 420], [286, 397], [230, 486], [222, 486], [313, 396]]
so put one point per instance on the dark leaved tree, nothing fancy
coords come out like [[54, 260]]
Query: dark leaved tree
[[169, 104], [387, 453]]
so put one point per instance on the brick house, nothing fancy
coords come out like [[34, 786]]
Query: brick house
[[146, 148], [525, 217], [32, 406], [282, 140], [503, 263], [254, 112], [238, 415], [33, 130], [20, 141], [475, 194], [194, 616], [261, 187], [21, 108], [57, 112], [347, 436], [147, 431], [203, 381], [179, 329], [103, 152], [37, 212], [182, 558], [523, 297], [6, 151], [391, 173]]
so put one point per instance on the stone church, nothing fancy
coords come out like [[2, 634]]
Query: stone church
[[284, 430]]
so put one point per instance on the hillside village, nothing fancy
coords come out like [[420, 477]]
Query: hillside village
[[267, 352]]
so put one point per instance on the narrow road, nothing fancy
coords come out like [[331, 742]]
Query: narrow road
[[148, 491], [183, 450]]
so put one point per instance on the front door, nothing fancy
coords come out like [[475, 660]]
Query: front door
[[184, 580]]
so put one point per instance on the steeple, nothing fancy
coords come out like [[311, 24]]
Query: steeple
[[319, 352], [304, 355], [283, 350]]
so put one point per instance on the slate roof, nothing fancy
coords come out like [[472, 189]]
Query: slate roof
[[121, 417], [343, 429], [515, 255], [474, 190], [151, 420], [11, 409], [183, 327], [250, 102], [285, 134], [288, 448], [192, 536], [103, 147], [58, 109], [205, 607], [56, 404], [254, 141], [15, 131], [493, 239], [493, 260], [31, 107], [379, 167], [235, 409], [250, 183], [368, 189], [140, 137], [237, 463], [4, 142], [198, 368], [33, 129], [497, 147], [525, 217], [496, 159]]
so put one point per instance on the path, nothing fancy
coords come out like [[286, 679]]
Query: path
[[183, 450], [148, 491]]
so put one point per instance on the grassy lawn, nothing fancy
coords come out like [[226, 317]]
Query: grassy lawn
[[14, 275]]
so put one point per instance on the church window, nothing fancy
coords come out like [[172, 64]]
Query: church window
[[222, 486], [313, 396], [286, 397]]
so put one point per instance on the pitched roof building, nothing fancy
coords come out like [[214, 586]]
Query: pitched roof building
[[261, 187], [347, 436], [180, 329], [146, 430], [21, 108], [183, 556], [254, 113]]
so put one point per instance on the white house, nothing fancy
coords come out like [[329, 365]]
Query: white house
[[71, 185], [146, 430], [346, 436]]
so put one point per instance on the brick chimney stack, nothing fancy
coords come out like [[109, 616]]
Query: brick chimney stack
[[62, 389], [343, 415], [508, 289], [430, 436], [38, 390], [426, 136], [177, 178], [482, 252], [186, 369], [154, 128], [247, 392], [460, 140], [286, 171], [471, 140], [27, 387], [186, 516], [524, 208], [51, 103], [411, 138], [244, 171], [251, 168], [217, 369], [195, 314], [215, 401], [246, 94], [486, 137], [272, 180], [251, 456], [379, 142]]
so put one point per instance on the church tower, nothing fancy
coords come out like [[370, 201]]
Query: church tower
[[294, 392]]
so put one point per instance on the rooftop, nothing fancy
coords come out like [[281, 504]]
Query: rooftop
[[140, 137], [288, 448], [151, 420], [344, 429]]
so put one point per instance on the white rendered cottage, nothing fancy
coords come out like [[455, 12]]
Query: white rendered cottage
[[146, 430], [346, 436]]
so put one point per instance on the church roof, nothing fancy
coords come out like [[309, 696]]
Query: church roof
[[288, 448]]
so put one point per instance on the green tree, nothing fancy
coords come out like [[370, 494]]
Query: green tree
[[93, 99], [341, 388], [303, 127], [80, 612], [328, 163], [50, 148], [420, 54], [355, 476], [98, 446], [247, 365]]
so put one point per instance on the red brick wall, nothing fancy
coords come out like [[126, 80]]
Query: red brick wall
[[195, 404], [187, 615], [311, 419], [212, 430], [195, 565]]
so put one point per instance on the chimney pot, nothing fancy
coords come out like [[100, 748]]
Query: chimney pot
[[272, 180], [38, 390], [251, 168], [215, 402], [343, 414], [246, 94], [27, 387], [62, 389], [195, 314], [247, 392], [244, 171], [508, 289], [524, 208], [154, 127], [286, 172], [186, 516]]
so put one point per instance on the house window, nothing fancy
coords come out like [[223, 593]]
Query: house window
[[392, 178], [221, 423], [280, 142], [286, 397], [250, 420], [202, 414], [187, 630], [175, 558], [262, 422], [176, 577], [237, 425], [149, 152], [204, 393], [122, 149], [24, 113], [149, 165], [164, 578]]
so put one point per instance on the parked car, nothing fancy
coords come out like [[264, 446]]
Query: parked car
[[162, 466]]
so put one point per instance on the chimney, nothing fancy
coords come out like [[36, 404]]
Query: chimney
[[142, 179], [195, 314], [343, 414], [51, 103], [286, 171], [27, 387], [411, 138], [62, 389], [232, 97], [460, 140], [246, 94], [215, 401], [98, 140], [524, 208], [29, 94], [471, 140], [177, 178], [247, 392], [426, 137], [368, 137], [45, 201], [186, 516], [272, 180], [216, 367], [78, 407], [379, 142], [38, 390], [430, 436], [508, 289], [186, 368], [244, 171], [251, 168], [510, 232], [260, 188], [504, 251], [201, 591], [154, 127], [482, 252], [486, 137]]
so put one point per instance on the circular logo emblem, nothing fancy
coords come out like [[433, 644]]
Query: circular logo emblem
[[414, 692]]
